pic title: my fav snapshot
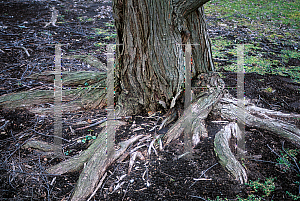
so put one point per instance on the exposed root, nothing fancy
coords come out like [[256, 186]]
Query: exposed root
[[73, 78], [199, 130], [90, 60], [151, 146], [132, 159], [44, 147], [98, 186], [197, 113], [87, 98], [26, 98], [253, 116], [227, 107], [91, 95], [77, 162], [94, 161], [95, 169], [222, 150]]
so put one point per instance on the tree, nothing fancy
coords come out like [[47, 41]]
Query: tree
[[150, 61], [149, 71]]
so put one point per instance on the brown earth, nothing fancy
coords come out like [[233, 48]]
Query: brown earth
[[162, 177]]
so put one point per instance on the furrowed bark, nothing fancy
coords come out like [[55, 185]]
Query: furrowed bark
[[150, 61]]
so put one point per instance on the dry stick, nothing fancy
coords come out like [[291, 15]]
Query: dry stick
[[263, 161], [198, 197], [112, 173], [91, 125], [24, 72], [99, 122], [18, 148], [290, 157], [26, 51], [125, 191], [99, 185], [264, 101], [204, 173], [3, 127], [49, 135], [53, 18], [277, 154], [33, 174]]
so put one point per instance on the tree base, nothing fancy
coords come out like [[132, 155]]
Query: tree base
[[94, 161]]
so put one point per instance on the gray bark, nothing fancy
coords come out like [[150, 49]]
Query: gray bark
[[150, 64]]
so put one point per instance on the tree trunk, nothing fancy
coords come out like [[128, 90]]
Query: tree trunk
[[150, 61], [149, 70]]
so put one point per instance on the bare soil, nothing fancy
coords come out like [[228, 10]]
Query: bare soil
[[165, 176]]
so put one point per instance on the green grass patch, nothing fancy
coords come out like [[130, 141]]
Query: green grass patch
[[85, 19], [279, 12], [99, 31], [220, 47], [287, 54], [109, 24], [264, 19]]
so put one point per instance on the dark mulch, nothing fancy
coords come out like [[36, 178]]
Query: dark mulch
[[159, 177]]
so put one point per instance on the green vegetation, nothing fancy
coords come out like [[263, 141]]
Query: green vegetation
[[220, 47], [267, 187], [294, 197], [99, 31], [285, 158], [287, 161], [108, 24], [276, 13], [224, 49], [106, 33], [249, 198], [111, 36], [85, 19], [61, 19], [287, 54], [276, 22]]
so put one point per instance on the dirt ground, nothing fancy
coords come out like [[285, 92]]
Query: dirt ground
[[165, 176]]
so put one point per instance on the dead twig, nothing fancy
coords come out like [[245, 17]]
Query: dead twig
[[23, 48], [100, 122], [203, 172]]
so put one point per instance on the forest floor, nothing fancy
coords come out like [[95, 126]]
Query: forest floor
[[271, 81]]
